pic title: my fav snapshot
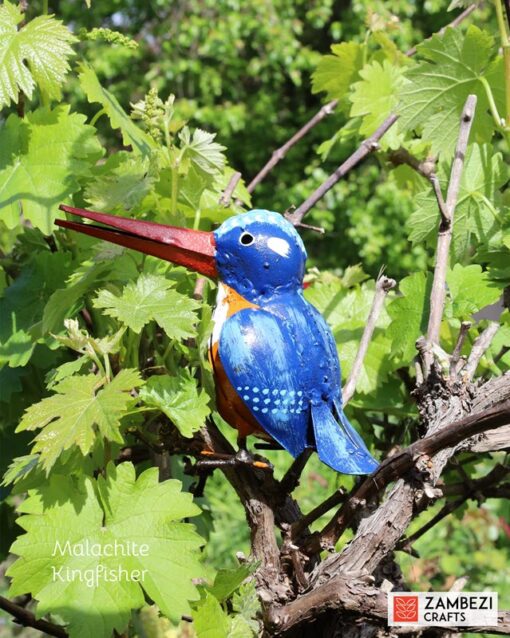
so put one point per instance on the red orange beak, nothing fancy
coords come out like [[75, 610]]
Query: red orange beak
[[194, 249]]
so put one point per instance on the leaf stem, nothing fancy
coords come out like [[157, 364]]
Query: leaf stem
[[492, 104], [505, 43], [175, 187], [501, 23], [45, 7], [97, 116]]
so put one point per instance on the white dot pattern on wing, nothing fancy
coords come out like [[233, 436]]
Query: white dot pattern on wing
[[273, 401], [262, 216]]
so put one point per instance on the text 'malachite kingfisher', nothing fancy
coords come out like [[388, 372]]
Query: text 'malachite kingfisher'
[[274, 358]]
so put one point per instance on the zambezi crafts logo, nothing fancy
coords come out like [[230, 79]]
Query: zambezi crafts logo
[[405, 609], [443, 609]]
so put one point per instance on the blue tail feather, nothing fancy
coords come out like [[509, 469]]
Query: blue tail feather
[[338, 444]]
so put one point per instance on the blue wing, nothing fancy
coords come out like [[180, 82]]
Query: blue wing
[[260, 360], [284, 366]]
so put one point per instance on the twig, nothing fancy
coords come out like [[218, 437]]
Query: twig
[[227, 193], [28, 619], [399, 464], [326, 110], [406, 543], [480, 346], [474, 489], [455, 358], [366, 147], [280, 153], [332, 501], [133, 454], [454, 23], [382, 287], [493, 440], [497, 474], [501, 353], [291, 478], [198, 291], [438, 293], [316, 229], [426, 169]]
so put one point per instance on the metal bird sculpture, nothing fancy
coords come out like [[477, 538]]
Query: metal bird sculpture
[[274, 359]]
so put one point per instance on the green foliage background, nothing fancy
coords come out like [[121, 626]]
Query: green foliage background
[[100, 347]]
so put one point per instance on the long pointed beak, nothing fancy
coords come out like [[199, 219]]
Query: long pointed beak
[[194, 249]]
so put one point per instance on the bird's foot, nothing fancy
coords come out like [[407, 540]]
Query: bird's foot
[[241, 458]]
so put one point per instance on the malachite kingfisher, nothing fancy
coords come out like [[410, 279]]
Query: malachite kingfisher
[[274, 359]]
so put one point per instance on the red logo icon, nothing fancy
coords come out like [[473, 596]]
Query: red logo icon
[[405, 609]]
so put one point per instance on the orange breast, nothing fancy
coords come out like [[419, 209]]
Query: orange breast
[[229, 403]]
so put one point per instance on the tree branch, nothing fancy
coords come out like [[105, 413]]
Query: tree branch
[[426, 169], [291, 479], [280, 153], [438, 293], [480, 347], [398, 465], [326, 110], [455, 358], [27, 619], [367, 146], [227, 193], [497, 474], [492, 441], [332, 501], [342, 594], [454, 23], [382, 287]]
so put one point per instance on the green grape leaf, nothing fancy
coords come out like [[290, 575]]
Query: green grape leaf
[[80, 532], [22, 303], [95, 92], [80, 340], [409, 314], [209, 619], [336, 73], [41, 158], [67, 301], [82, 407], [228, 580], [37, 53], [151, 298], [19, 468], [179, 399], [455, 66], [120, 183], [470, 290], [55, 375], [475, 217], [202, 152], [246, 603], [374, 97]]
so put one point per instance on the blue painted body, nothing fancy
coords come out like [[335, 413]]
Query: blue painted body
[[279, 354]]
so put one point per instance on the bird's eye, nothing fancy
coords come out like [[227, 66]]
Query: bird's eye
[[246, 239]]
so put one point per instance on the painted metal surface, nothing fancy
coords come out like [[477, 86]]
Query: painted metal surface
[[274, 358], [279, 354]]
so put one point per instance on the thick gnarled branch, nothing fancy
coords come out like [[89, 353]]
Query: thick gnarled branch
[[26, 618], [402, 462]]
